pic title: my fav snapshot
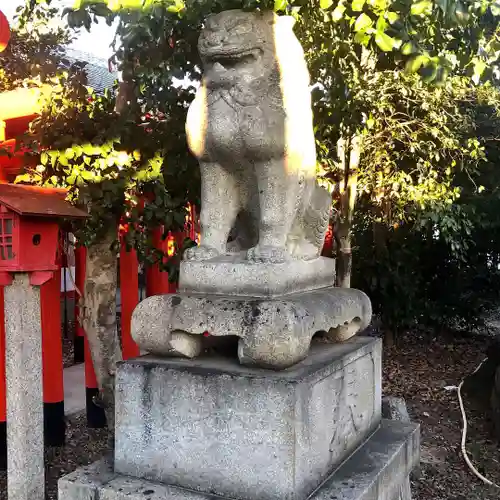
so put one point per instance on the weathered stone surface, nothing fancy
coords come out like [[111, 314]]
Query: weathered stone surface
[[251, 128], [274, 333], [226, 275], [395, 409], [84, 483], [374, 472], [23, 356], [377, 470], [215, 426]]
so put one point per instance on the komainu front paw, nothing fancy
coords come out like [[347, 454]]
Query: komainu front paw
[[200, 253], [267, 253]]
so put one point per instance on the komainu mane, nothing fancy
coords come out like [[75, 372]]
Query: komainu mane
[[251, 128]]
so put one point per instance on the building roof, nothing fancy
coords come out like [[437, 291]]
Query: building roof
[[97, 69], [38, 202]]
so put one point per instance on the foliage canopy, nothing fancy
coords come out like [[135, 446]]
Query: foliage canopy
[[406, 136]]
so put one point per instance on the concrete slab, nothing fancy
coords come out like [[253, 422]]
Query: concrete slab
[[376, 471], [246, 433], [74, 389]]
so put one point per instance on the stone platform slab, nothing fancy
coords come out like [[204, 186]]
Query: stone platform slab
[[213, 425], [274, 332], [234, 275], [376, 471]]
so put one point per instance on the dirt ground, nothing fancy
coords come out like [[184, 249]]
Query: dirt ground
[[418, 369]]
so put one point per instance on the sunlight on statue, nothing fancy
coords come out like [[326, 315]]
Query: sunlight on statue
[[251, 128]]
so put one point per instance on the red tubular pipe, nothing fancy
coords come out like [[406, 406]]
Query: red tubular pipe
[[129, 291], [3, 389], [78, 342], [156, 280], [52, 358]]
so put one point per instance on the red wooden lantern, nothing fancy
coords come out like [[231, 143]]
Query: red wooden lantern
[[29, 227], [4, 32]]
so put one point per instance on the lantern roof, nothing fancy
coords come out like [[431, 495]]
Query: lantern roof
[[38, 202], [22, 101]]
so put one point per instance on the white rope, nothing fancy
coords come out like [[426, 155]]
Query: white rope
[[464, 430]]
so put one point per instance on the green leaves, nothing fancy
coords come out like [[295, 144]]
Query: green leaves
[[280, 5], [408, 48], [338, 12], [479, 67], [363, 22], [357, 5], [384, 41], [176, 7], [415, 63], [392, 17], [421, 7]]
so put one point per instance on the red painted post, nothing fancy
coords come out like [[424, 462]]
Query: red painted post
[[129, 292], [96, 417], [52, 358], [327, 250], [79, 342], [79, 338], [191, 223], [175, 241], [3, 389], [156, 280]]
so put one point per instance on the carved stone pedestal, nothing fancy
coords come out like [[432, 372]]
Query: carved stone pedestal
[[192, 429], [234, 275], [273, 332]]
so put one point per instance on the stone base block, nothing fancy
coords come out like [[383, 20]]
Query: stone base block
[[376, 471], [215, 426], [273, 333], [234, 275]]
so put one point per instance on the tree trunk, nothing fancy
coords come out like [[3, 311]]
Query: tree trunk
[[99, 321], [349, 158], [389, 338], [126, 96]]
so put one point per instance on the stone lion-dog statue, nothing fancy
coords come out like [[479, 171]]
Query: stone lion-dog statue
[[251, 128]]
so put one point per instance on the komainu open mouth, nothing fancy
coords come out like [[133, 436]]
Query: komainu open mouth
[[230, 58]]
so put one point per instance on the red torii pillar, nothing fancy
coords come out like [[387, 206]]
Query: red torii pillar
[[79, 335], [3, 388], [129, 292], [156, 280], [52, 361], [53, 374]]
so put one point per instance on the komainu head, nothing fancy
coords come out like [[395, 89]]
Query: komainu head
[[238, 46]]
